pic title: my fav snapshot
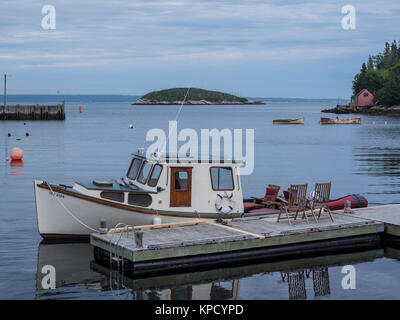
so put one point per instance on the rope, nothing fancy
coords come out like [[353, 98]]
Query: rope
[[176, 118], [69, 212]]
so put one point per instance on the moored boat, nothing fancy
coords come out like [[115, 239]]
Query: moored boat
[[164, 187], [340, 121], [289, 121]]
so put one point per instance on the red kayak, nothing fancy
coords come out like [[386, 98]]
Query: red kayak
[[357, 201]]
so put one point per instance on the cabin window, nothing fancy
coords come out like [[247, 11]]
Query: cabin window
[[135, 166], [139, 199], [181, 180], [155, 175], [144, 172], [115, 196], [221, 178]]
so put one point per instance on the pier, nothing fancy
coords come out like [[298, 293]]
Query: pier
[[32, 112], [197, 244]]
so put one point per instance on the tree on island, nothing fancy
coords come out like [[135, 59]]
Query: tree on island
[[381, 76]]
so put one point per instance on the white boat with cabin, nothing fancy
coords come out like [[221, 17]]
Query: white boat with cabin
[[170, 189]]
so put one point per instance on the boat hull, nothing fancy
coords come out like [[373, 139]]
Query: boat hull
[[289, 121], [341, 121], [65, 215]]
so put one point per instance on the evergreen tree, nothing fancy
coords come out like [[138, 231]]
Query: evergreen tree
[[381, 75], [370, 65], [389, 94], [393, 54], [364, 69]]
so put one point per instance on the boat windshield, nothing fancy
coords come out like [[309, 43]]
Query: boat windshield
[[144, 172], [134, 169], [155, 175]]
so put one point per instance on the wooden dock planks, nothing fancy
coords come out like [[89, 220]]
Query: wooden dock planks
[[388, 214]]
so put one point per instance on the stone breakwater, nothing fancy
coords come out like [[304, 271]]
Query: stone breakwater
[[195, 102], [374, 110]]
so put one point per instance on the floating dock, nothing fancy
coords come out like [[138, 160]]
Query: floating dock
[[32, 112], [198, 244]]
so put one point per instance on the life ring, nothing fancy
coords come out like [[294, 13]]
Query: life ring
[[225, 206]]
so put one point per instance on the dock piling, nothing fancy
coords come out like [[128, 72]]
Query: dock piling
[[103, 226], [139, 238], [347, 207]]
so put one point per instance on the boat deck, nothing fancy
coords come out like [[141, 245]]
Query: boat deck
[[185, 245], [114, 187]]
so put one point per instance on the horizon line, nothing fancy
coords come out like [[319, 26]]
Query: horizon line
[[134, 95]]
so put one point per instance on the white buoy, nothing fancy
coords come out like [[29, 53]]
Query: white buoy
[[157, 220], [131, 126]]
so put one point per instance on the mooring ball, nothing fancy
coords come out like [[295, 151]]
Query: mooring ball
[[27, 134], [16, 154], [9, 134]]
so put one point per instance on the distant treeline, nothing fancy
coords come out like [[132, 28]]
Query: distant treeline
[[178, 94], [381, 76]]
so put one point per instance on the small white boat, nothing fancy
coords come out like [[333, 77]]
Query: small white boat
[[289, 121], [170, 189]]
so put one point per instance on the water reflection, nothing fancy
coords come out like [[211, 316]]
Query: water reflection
[[17, 163], [78, 275], [16, 167], [72, 264], [378, 162], [381, 167], [296, 281]]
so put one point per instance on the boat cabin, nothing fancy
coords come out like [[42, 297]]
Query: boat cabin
[[175, 184], [186, 184]]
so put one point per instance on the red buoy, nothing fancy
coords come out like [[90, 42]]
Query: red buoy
[[16, 154]]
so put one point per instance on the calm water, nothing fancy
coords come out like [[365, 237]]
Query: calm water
[[97, 144]]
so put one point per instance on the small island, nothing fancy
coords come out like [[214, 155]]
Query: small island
[[195, 97], [376, 88]]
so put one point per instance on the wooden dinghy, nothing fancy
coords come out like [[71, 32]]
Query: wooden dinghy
[[289, 121], [341, 121]]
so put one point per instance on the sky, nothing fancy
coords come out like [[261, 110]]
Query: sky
[[251, 48]]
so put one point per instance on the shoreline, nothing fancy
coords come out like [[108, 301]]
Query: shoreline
[[195, 102], [378, 110]]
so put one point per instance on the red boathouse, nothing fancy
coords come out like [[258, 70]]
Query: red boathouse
[[364, 99]]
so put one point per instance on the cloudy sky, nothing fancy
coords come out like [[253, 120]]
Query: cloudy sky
[[269, 48]]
